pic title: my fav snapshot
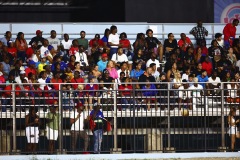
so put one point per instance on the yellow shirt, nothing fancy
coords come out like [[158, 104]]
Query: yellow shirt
[[40, 67]]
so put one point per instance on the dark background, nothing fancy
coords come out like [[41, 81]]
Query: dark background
[[151, 11]]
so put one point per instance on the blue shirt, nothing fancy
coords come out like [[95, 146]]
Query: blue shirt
[[200, 79], [102, 65], [136, 74]]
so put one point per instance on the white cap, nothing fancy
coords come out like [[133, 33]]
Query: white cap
[[22, 72]]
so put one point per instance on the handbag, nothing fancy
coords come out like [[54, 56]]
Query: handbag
[[92, 124]]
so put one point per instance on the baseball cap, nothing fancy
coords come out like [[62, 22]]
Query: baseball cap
[[104, 55], [38, 31]]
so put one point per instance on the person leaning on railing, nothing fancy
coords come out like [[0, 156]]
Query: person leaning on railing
[[232, 131]]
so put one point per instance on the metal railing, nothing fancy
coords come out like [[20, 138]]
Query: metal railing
[[142, 120]]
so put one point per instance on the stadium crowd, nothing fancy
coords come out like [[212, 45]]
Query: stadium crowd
[[113, 59]]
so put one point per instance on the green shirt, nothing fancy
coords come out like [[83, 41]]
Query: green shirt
[[83, 42], [56, 120]]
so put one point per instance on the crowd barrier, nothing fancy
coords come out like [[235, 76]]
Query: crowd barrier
[[140, 123]]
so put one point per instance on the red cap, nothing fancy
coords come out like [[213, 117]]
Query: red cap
[[38, 31], [104, 55]]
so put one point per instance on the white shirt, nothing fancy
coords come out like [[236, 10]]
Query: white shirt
[[232, 91], [151, 61], [196, 91], [78, 125], [185, 76], [81, 57], [114, 39], [214, 82], [66, 45], [34, 58], [54, 42], [18, 80], [183, 93], [44, 51], [42, 83], [119, 58], [238, 64], [221, 43]]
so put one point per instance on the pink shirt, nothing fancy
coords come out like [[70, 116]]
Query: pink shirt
[[113, 73]]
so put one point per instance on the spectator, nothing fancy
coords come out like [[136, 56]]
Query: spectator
[[232, 92], [119, 57], [44, 49], [38, 39], [150, 93], [91, 93], [12, 51], [154, 45], [98, 118], [102, 64], [236, 48], [71, 62], [171, 72], [113, 41], [203, 78], [96, 44], [214, 84], [232, 57], [140, 44], [105, 40], [199, 32], [53, 40], [66, 42], [198, 70], [198, 56], [83, 41], [42, 64], [125, 92], [112, 70], [76, 80], [74, 48], [196, 92], [229, 32], [184, 42], [232, 131], [147, 75], [77, 119], [63, 65], [189, 58], [153, 59], [207, 65], [56, 80], [21, 45], [155, 73], [7, 37], [32, 122], [137, 72], [53, 121], [126, 45], [6, 66], [170, 45], [82, 57], [137, 58], [220, 41], [184, 96], [31, 68], [186, 73]]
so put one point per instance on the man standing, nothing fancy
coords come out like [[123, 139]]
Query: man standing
[[82, 40], [199, 32], [229, 32], [77, 129]]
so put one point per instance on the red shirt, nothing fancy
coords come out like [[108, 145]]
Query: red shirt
[[187, 43], [28, 70], [229, 31], [12, 51], [56, 86], [79, 80], [125, 43], [208, 67], [94, 42], [126, 90], [29, 52], [73, 50]]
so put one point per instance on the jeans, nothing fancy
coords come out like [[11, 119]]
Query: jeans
[[97, 134], [113, 51]]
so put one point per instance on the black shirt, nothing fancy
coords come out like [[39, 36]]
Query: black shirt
[[152, 42]]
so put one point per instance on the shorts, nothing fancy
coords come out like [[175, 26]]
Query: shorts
[[32, 134], [232, 130], [51, 134]]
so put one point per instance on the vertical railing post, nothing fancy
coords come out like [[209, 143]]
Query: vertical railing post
[[168, 120], [115, 117], [222, 115], [134, 107], [14, 118], [205, 120], [60, 142]]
